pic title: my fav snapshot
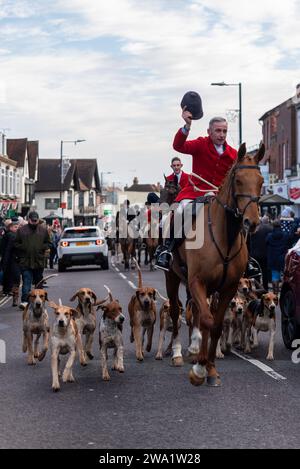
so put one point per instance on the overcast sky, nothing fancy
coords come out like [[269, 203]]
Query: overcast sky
[[113, 72]]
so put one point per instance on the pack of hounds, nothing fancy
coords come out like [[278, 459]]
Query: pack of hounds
[[249, 312]]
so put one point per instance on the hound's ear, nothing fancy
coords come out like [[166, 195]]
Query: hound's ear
[[74, 312], [276, 300], [137, 294], [154, 294], [94, 296], [46, 296], [74, 296], [263, 297], [52, 305], [260, 153], [103, 307], [242, 151]]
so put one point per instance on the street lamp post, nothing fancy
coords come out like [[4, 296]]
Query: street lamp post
[[101, 177], [222, 83], [62, 176]]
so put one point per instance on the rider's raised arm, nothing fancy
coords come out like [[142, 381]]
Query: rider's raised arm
[[188, 147], [180, 144]]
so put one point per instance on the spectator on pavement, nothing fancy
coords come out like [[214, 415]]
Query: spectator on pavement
[[277, 246], [258, 247], [9, 263], [32, 241]]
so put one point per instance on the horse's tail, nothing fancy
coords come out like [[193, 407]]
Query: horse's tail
[[139, 273]]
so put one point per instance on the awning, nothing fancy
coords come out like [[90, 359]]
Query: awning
[[274, 199]]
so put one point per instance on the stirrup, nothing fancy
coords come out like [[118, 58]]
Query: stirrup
[[160, 267]]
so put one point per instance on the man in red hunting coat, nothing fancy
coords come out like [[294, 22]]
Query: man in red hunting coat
[[178, 176], [212, 158]]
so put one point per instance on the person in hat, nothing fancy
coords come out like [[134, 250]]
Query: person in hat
[[9, 264], [178, 176], [212, 158], [32, 241], [152, 198]]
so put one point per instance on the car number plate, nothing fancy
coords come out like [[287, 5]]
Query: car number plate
[[82, 243]]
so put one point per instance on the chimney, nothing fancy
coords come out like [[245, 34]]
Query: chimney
[[298, 91], [135, 180]]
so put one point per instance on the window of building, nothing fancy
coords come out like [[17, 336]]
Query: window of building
[[3, 188], [27, 194], [81, 200], [7, 181], [91, 199], [14, 182], [18, 187], [51, 204], [70, 200], [10, 179]]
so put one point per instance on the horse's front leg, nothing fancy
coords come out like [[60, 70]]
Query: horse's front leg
[[213, 378], [195, 335], [198, 372], [172, 285]]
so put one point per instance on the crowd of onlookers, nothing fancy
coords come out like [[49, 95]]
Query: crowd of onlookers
[[270, 244], [26, 248]]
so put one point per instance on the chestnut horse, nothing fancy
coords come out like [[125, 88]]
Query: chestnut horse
[[216, 267]]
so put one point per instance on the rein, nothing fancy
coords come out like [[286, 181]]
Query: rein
[[238, 216]]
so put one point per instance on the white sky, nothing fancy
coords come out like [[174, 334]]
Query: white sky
[[114, 72]]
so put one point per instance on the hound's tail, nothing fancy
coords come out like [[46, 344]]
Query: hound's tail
[[108, 297], [109, 293], [139, 273], [162, 297], [41, 282]]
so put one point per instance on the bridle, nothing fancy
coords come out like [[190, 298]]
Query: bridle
[[235, 196], [237, 213]]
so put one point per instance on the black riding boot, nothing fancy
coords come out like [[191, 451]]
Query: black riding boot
[[163, 254]]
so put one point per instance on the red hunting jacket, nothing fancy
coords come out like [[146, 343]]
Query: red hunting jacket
[[184, 179], [206, 163]]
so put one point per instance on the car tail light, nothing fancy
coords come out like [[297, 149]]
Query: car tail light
[[64, 244], [99, 242]]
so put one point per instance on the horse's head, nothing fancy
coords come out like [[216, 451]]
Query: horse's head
[[246, 186], [169, 193]]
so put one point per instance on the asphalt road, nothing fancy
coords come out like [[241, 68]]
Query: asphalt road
[[151, 405]]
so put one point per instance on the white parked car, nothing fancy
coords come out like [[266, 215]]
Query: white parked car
[[82, 245]]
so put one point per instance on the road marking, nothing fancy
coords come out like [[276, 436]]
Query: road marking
[[5, 300], [118, 270], [123, 276], [132, 284], [265, 368]]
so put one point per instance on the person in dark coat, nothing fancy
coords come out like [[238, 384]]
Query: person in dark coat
[[32, 241], [277, 246], [258, 247], [9, 263]]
